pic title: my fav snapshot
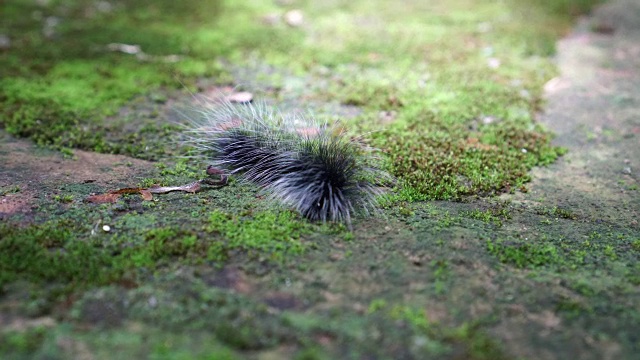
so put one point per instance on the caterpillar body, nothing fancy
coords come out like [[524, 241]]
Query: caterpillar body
[[311, 166]]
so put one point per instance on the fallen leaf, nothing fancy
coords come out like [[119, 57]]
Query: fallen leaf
[[190, 188], [103, 198], [127, 191], [113, 196], [147, 194]]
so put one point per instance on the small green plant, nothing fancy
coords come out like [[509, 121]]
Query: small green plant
[[51, 252], [441, 273], [9, 190], [268, 235], [65, 199], [465, 338], [563, 213], [489, 216], [448, 220], [22, 342], [181, 168], [148, 182], [524, 254]]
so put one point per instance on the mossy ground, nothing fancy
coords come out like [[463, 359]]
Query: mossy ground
[[449, 90]]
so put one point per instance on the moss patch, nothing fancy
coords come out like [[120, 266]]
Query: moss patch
[[64, 74], [78, 256], [225, 323], [447, 89], [48, 252], [462, 87]]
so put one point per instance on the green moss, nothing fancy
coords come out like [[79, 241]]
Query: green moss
[[436, 339], [633, 276], [524, 254], [266, 235], [570, 252], [181, 168], [9, 190], [61, 89], [449, 124], [441, 274], [51, 252], [571, 307], [65, 199], [164, 244], [435, 77], [21, 344], [458, 126], [450, 163], [195, 320], [132, 343], [67, 84], [66, 252], [557, 212], [447, 220], [493, 216], [564, 8]]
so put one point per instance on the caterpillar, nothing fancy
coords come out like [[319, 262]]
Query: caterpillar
[[308, 165]]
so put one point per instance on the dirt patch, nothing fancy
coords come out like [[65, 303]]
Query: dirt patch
[[593, 107], [29, 173]]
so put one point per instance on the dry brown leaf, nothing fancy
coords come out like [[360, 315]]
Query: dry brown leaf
[[103, 198], [190, 188], [127, 191], [113, 196], [147, 194]]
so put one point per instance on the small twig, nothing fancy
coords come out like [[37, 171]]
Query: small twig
[[113, 196]]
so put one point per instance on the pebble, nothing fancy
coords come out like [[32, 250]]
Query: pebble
[[242, 97], [493, 63], [5, 42], [294, 18]]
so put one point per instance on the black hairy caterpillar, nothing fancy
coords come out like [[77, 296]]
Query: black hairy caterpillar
[[310, 166]]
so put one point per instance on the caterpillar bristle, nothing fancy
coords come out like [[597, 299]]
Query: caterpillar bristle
[[310, 166]]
